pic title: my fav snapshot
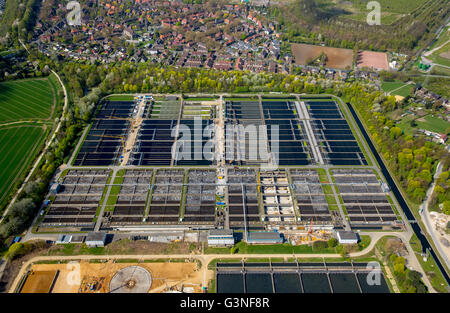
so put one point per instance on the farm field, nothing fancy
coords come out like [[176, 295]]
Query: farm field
[[336, 57], [28, 99], [27, 111], [370, 59], [390, 10], [18, 146]]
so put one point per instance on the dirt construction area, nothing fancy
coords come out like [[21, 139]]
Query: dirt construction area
[[39, 281], [375, 60], [85, 277], [336, 57]]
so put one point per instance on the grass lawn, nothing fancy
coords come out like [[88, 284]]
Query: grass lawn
[[434, 124], [429, 267], [115, 190], [286, 248], [389, 86], [406, 90], [444, 37], [27, 99], [437, 55], [121, 98], [199, 99], [18, 146]]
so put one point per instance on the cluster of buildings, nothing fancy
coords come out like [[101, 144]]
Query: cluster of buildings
[[232, 36], [436, 137], [426, 95]]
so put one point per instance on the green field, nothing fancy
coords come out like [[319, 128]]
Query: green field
[[397, 88], [389, 86], [27, 111], [28, 99], [438, 58], [121, 98], [18, 146], [440, 42], [390, 10], [433, 124], [430, 123], [404, 91], [444, 37], [439, 85]]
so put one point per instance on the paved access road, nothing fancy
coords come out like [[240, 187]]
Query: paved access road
[[205, 259], [425, 214]]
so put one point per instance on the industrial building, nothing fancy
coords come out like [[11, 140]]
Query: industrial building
[[220, 237], [302, 199], [264, 237], [347, 237], [96, 239]]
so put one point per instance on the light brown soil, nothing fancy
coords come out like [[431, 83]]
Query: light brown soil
[[445, 55], [165, 276], [39, 282], [370, 59], [399, 98], [337, 58]]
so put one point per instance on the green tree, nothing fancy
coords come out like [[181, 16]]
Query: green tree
[[332, 242]]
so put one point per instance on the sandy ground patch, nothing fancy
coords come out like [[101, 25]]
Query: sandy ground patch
[[39, 281], [337, 57], [399, 98], [370, 59], [166, 276]]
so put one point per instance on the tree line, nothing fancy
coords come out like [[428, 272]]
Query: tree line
[[412, 160]]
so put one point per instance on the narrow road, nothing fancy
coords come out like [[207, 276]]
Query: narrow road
[[25, 121], [425, 214], [435, 49], [205, 259], [98, 224]]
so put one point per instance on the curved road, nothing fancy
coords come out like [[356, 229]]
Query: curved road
[[205, 259], [426, 217]]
